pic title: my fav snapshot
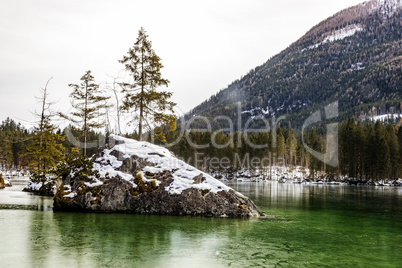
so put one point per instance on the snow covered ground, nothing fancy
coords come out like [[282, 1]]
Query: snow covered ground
[[385, 117], [295, 175], [276, 173], [13, 173]]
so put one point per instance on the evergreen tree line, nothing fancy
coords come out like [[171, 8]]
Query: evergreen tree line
[[367, 150], [370, 150], [19, 147], [14, 139]]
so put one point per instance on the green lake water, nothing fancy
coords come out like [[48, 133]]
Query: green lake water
[[311, 226]]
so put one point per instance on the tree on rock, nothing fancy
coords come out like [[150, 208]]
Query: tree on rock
[[152, 108], [89, 105]]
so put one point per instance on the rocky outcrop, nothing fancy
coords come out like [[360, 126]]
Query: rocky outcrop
[[139, 177], [43, 188], [4, 182]]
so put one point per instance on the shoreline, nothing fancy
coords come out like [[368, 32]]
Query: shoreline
[[332, 183], [298, 175]]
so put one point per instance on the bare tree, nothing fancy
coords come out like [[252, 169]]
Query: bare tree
[[114, 87]]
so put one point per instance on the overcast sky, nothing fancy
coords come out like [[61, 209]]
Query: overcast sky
[[204, 45]]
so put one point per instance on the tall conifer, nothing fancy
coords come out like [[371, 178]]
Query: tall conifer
[[153, 109], [89, 103]]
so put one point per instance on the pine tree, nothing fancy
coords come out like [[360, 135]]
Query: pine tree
[[88, 103], [6, 153], [370, 154], [314, 143], [350, 147], [291, 146], [393, 145], [360, 144], [280, 143], [153, 108], [45, 149], [383, 160], [400, 151]]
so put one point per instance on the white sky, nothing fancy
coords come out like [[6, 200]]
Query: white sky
[[204, 45]]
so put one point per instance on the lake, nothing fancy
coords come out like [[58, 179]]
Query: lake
[[309, 226]]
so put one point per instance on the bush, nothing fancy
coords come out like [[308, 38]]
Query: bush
[[80, 166]]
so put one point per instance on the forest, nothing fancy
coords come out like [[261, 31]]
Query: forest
[[367, 150]]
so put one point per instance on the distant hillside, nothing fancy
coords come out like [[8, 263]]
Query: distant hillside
[[354, 57]]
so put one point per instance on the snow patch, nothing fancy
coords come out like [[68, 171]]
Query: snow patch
[[257, 111], [70, 195], [385, 7], [338, 35], [385, 117], [356, 67], [93, 184], [7, 182], [343, 33], [107, 165], [67, 188]]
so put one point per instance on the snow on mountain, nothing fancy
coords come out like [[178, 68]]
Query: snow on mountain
[[386, 7], [339, 35], [343, 33]]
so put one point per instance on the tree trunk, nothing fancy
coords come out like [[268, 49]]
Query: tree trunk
[[142, 98], [85, 118], [41, 163], [117, 106]]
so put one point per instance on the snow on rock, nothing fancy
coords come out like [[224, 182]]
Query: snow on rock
[[47, 187], [107, 166], [94, 184], [70, 195], [7, 183], [140, 177], [4, 182], [161, 160], [34, 186]]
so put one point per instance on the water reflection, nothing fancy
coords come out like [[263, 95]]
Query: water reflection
[[14, 198], [74, 239], [385, 201], [324, 225]]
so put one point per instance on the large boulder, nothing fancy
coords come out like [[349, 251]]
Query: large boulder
[[139, 177]]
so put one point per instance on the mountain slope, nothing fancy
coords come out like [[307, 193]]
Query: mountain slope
[[353, 57]]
